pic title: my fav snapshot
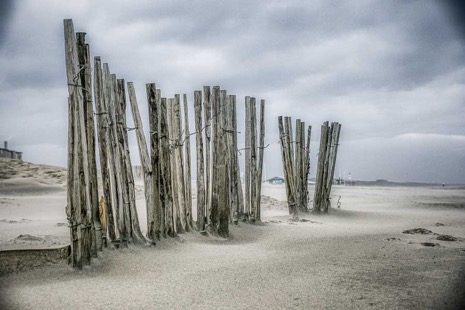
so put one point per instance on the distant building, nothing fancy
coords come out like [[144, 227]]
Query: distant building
[[276, 180], [6, 153]]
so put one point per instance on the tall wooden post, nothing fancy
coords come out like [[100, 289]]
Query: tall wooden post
[[306, 168], [86, 202], [297, 165], [237, 183], [213, 220], [261, 149], [208, 130], [73, 206], [103, 127], [111, 149], [154, 212], [222, 161], [319, 185], [166, 196], [248, 155], [178, 166], [187, 167], [253, 159], [86, 82], [200, 162]]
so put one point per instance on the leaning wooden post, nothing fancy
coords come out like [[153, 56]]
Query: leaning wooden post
[[337, 133], [287, 167], [334, 141], [154, 210], [208, 130], [261, 149], [187, 167], [144, 159], [324, 192], [130, 213], [103, 127], [200, 162]]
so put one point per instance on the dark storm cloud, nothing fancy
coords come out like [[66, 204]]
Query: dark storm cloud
[[6, 9], [456, 10]]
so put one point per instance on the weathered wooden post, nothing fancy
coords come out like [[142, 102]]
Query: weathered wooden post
[[253, 158], [201, 204], [213, 220], [73, 207], [144, 159], [179, 162], [86, 82], [80, 201], [297, 165], [208, 130], [307, 166], [103, 127], [153, 197], [288, 168], [239, 211], [130, 211], [248, 156], [261, 150], [223, 187], [187, 166], [319, 185], [333, 142], [166, 193]]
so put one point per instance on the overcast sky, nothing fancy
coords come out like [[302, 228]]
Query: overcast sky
[[391, 72]]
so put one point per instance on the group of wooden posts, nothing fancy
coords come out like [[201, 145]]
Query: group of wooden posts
[[166, 164], [296, 164]]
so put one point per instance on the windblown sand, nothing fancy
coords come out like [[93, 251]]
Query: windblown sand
[[354, 257]]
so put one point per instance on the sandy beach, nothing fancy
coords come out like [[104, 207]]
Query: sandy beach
[[355, 257]]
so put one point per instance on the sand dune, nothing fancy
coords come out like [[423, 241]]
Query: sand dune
[[356, 257]]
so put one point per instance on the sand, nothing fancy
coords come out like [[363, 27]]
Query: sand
[[356, 257]]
